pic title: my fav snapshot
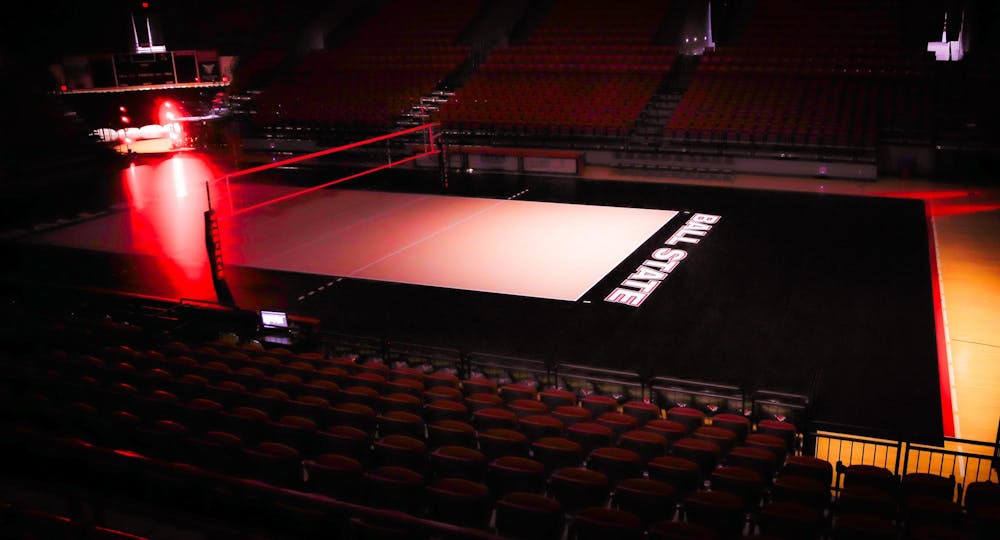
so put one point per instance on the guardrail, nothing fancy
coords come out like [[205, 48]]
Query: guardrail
[[624, 385], [965, 459]]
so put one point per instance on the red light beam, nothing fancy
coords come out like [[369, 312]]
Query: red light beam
[[333, 182]]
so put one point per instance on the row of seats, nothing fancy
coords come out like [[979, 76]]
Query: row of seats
[[262, 34], [314, 67], [567, 98], [308, 384], [393, 454], [726, 472], [813, 60], [593, 21], [588, 69], [400, 54], [746, 490], [410, 25], [584, 48], [297, 389], [574, 77], [793, 110], [830, 73], [826, 22], [212, 504], [24, 522], [626, 66], [285, 369], [375, 100], [254, 369], [802, 110], [532, 58]]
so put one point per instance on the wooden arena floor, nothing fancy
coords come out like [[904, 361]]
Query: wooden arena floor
[[966, 222]]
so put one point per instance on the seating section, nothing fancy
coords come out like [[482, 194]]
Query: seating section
[[263, 33], [572, 77], [401, 53], [831, 73], [872, 25], [20, 521], [549, 102], [600, 23], [492, 450], [358, 88]]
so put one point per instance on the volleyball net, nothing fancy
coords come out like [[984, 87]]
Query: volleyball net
[[289, 179], [286, 179]]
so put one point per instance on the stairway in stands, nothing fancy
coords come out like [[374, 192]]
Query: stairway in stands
[[425, 108], [481, 39], [649, 152], [647, 132]]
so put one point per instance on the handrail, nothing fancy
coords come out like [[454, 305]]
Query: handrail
[[902, 457], [553, 370], [860, 431], [405, 345], [693, 382], [964, 465], [604, 371], [508, 362]]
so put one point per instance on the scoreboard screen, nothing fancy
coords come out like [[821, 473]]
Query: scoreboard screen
[[137, 69]]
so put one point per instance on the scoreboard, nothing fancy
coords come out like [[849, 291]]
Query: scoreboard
[[137, 69], [133, 69]]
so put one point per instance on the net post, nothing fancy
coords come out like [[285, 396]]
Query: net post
[[208, 193], [442, 159], [213, 246]]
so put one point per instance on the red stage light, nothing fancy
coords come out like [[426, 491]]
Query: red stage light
[[168, 112]]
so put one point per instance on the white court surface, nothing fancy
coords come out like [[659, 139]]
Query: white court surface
[[525, 248]]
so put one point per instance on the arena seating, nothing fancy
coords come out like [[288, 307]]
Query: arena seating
[[834, 78], [21, 521], [801, 100], [157, 414], [560, 102], [826, 75], [401, 53], [587, 70]]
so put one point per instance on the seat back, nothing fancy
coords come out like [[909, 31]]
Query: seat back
[[529, 516], [577, 488]]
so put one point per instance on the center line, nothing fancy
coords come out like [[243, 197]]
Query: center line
[[424, 238]]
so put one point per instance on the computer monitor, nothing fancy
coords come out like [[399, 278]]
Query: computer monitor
[[274, 320]]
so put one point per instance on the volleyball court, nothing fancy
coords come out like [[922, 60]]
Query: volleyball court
[[336, 227]]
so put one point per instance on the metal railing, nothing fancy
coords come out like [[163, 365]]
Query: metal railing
[[842, 445], [624, 385], [964, 459]]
